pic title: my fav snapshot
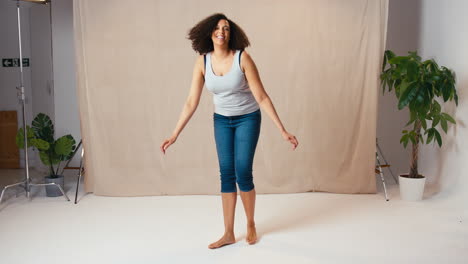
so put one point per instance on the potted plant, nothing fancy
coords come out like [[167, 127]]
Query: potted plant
[[51, 152], [419, 86]]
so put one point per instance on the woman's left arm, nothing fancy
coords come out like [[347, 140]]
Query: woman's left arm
[[261, 96]]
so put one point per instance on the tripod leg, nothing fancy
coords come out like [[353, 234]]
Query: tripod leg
[[50, 184], [64, 194], [23, 189], [80, 173], [381, 176], [77, 185], [9, 186], [383, 157]]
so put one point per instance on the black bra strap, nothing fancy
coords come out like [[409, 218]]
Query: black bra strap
[[204, 59], [240, 54]]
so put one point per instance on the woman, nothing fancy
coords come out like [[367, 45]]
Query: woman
[[230, 73]]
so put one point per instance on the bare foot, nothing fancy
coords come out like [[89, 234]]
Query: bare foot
[[227, 239], [251, 235]]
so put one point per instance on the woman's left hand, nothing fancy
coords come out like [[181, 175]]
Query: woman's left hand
[[291, 138]]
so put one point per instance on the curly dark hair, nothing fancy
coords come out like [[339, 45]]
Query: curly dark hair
[[200, 35]]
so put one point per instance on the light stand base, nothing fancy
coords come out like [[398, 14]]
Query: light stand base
[[27, 188]]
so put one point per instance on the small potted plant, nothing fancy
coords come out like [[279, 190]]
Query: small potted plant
[[51, 152], [419, 86]]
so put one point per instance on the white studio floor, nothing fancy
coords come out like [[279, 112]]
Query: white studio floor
[[293, 228]]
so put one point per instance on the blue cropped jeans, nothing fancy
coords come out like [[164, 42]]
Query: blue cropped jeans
[[236, 140]]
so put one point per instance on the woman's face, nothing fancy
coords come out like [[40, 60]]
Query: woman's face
[[221, 33]]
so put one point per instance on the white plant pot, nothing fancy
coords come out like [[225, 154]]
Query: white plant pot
[[411, 189]]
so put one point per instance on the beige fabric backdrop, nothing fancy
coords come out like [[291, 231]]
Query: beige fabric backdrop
[[319, 62]]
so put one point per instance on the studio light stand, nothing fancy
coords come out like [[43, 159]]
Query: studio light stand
[[379, 167], [380, 153], [26, 183]]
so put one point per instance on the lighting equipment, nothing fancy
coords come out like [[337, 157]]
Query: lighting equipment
[[26, 183]]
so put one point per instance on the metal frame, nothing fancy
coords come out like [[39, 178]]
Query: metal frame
[[385, 160], [379, 167], [80, 174], [379, 170]]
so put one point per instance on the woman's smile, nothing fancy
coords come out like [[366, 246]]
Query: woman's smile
[[220, 34]]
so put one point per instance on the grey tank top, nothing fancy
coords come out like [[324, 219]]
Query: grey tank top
[[231, 92]]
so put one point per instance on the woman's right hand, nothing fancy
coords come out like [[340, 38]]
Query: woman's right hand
[[167, 143], [291, 138]]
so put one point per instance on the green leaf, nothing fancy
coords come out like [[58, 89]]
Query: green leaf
[[396, 85], [413, 139], [420, 97], [414, 55], [398, 60], [390, 84], [431, 66], [404, 140], [448, 118], [48, 160], [403, 86], [446, 91], [443, 123], [435, 78], [435, 120], [407, 96], [386, 57], [43, 127], [423, 112], [413, 117], [40, 144], [436, 108], [64, 146], [390, 54], [430, 135], [409, 122], [438, 137], [44, 158], [20, 137], [412, 70], [423, 123], [383, 81]]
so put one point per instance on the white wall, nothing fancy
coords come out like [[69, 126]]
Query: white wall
[[50, 88], [402, 36], [66, 104], [437, 29], [41, 56], [41, 68], [444, 36], [10, 77]]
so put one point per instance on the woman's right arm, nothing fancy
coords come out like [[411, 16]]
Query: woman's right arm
[[191, 104]]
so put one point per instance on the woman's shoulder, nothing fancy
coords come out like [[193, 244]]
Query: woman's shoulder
[[245, 54], [245, 60], [200, 58], [200, 63], [245, 57]]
